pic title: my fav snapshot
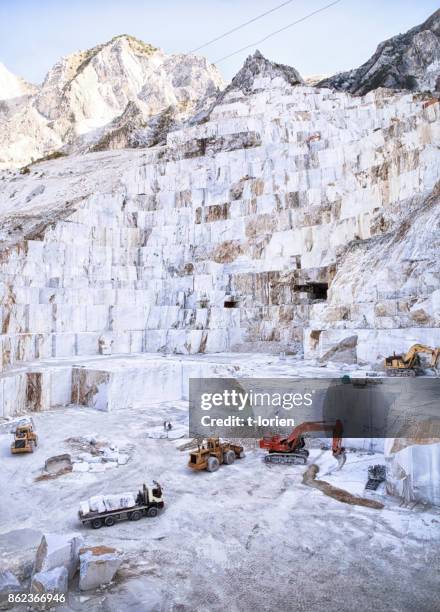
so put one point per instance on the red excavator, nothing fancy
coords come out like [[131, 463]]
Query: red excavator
[[292, 449]]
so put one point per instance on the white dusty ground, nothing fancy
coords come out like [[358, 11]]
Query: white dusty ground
[[248, 537]]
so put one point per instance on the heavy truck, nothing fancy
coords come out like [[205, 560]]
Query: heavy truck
[[106, 510], [212, 453]]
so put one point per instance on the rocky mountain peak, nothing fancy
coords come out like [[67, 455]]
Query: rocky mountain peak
[[12, 86], [406, 61], [100, 96], [257, 66], [256, 73]]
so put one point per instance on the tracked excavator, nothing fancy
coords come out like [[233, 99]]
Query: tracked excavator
[[292, 449], [409, 364]]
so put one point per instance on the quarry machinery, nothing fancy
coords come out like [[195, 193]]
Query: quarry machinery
[[409, 363], [108, 509], [376, 474], [210, 455], [25, 439], [292, 449]]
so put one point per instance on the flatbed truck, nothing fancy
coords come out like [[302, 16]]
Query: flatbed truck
[[149, 501]]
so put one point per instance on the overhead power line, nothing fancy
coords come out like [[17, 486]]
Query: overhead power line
[[320, 10], [242, 25]]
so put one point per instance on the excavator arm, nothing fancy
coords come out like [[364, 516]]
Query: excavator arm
[[410, 357], [435, 357]]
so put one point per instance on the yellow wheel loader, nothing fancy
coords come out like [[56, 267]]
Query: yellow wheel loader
[[25, 439], [210, 455]]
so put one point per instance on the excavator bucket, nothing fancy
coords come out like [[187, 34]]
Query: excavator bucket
[[341, 459]]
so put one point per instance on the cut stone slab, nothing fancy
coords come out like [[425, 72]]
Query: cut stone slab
[[58, 465], [52, 581], [97, 566], [58, 551]]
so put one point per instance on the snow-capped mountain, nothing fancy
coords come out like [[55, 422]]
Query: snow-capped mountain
[[98, 97]]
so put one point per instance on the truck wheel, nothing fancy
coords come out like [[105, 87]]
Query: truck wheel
[[242, 454], [109, 521], [229, 457], [213, 464], [96, 523], [152, 512], [135, 516]]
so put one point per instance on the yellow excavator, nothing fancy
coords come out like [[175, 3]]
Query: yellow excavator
[[409, 363]]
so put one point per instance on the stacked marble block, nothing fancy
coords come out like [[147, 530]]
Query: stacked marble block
[[207, 244], [272, 213]]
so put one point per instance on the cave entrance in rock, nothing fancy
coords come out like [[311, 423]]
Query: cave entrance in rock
[[231, 303], [316, 291]]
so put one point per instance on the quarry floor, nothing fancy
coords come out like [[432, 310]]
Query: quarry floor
[[248, 537]]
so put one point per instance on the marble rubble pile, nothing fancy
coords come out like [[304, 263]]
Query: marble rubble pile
[[94, 455]]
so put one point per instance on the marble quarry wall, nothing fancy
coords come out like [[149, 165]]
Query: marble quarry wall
[[289, 219]]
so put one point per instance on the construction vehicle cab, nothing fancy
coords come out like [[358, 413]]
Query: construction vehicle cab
[[376, 474], [213, 453], [25, 439]]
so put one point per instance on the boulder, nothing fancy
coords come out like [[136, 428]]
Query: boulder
[[97, 566], [57, 551], [8, 582], [51, 581], [413, 468], [342, 352]]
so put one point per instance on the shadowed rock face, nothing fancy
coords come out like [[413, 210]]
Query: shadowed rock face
[[256, 74], [257, 66], [406, 61]]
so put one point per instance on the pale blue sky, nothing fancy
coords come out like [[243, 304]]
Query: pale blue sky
[[35, 33]]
